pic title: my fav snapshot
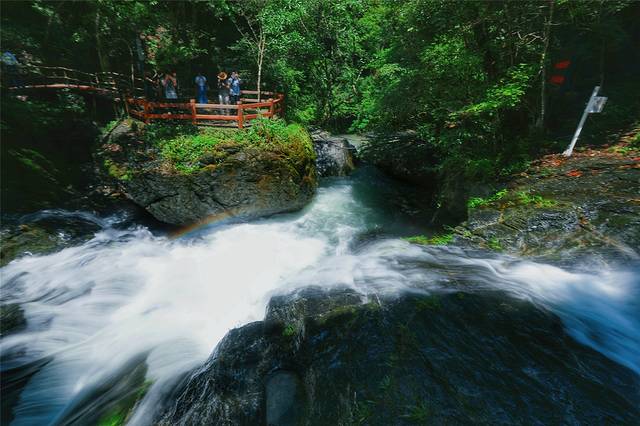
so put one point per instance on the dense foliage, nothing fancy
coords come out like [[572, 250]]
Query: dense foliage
[[40, 158], [472, 78]]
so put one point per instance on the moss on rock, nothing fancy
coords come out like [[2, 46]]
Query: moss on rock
[[560, 208], [185, 174], [25, 239]]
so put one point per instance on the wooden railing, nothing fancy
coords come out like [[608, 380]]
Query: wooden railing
[[105, 83], [238, 115], [253, 104]]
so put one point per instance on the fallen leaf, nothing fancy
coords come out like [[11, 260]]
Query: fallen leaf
[[574, 173]]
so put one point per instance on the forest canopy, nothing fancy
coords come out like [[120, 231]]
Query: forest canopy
[[474, 79]]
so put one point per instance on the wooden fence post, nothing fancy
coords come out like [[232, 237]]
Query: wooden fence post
[[193, 110], [125, 99], [145, 106], [281, 105], [240, 115], [272, 108]]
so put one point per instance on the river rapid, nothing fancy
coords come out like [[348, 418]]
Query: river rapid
[[132, 293]]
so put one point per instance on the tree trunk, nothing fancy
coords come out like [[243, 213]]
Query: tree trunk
[[102, 59], [603, 45], [543, 69], [261, 48], [45, 43]]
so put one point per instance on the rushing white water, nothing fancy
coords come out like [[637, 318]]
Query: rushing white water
[[94, 308]]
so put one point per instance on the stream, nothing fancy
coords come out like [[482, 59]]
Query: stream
[[132, 292]]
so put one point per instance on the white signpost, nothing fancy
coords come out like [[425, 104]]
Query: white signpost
[[595, 105]]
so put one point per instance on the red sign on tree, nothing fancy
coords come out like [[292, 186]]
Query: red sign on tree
[[559, 78]]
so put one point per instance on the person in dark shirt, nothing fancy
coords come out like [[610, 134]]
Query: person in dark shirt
[[11, 68], [150, 86], [201, 88], [170, 84], [234, 87], [223, 91]]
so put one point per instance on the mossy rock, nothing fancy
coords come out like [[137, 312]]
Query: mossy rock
[[26, 239], [562, 208], [184, 175], [412, 359]]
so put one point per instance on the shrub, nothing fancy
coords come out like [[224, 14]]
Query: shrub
[[438, 240], [475, 202], [289, 330], [525, 198], [185, 146], [494, 244]]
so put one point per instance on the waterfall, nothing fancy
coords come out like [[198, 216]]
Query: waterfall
[[95, 310]]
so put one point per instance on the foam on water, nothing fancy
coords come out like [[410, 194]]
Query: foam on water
[[600, 308], [124, 294]]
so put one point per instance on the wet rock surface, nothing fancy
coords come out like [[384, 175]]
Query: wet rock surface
[[13, 382], [246, 182], [11, 318], [25, 240], [587, 205], [402, 155], [333, 357], [45, 232], [51, 230], [335, 156], [284, 399]]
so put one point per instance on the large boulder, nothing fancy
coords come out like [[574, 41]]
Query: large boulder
[[231, 179], [332, 357], [335, 156], [562, 209]]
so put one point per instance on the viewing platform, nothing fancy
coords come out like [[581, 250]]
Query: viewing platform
[[128, 90], [224, 115]]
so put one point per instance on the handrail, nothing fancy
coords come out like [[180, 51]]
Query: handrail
[[56, 77], [146, 110], [123, 87], [255, 92]]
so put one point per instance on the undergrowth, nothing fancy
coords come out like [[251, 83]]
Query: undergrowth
[[518, 198], [186, 146], [475, 202], [438, 240], [494, 244], [525, 198]]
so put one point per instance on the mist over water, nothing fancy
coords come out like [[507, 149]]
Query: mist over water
[[128, 297]]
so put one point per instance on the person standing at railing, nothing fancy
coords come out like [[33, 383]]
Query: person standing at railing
[[234, 87], [223, 91], [157, 79], [170, 84], [150, 86], [201, 88], [11, 68]]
